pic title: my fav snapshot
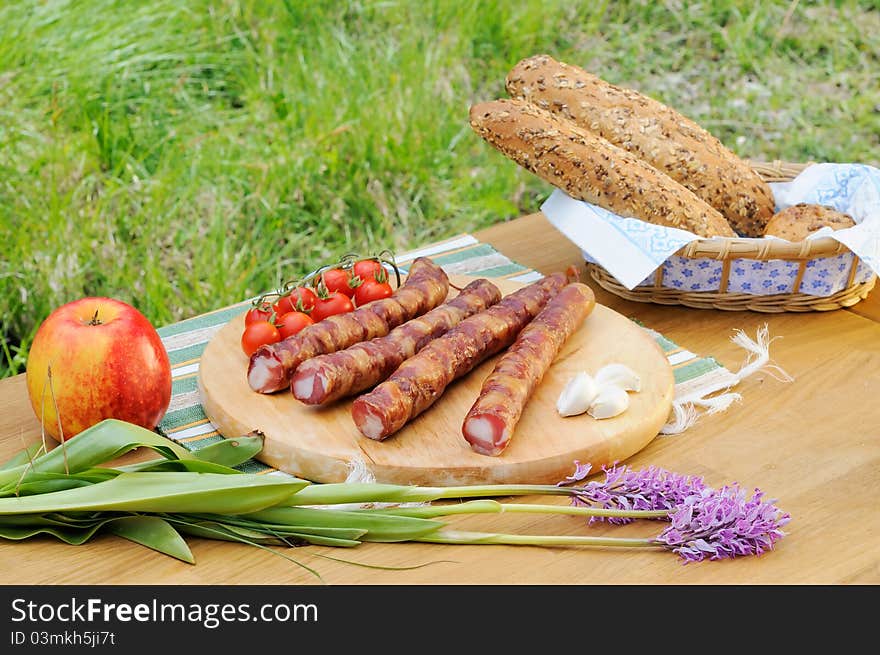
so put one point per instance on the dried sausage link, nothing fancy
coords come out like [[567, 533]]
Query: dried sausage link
[[423, 378], [491, 421], [326, 378]]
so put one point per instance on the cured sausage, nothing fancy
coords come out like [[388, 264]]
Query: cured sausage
[[491, 421], [272, 365], [326, 378], [423, 378]]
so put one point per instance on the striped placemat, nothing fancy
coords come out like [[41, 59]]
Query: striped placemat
[[185, 421]]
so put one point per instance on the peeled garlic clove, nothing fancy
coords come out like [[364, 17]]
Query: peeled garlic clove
[[619, 375], [610, 402], [577, 396]]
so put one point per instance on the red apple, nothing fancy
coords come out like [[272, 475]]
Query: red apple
[[106, 361]]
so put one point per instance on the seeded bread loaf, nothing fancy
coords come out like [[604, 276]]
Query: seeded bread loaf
[[795, 223], [654, 132], [589, 168]]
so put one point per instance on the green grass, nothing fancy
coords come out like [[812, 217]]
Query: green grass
[[183, 156]]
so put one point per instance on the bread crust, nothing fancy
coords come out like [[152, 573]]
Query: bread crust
[[652, 131], [589, 168], [796, 222]]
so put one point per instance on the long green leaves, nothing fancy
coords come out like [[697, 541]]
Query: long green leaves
[[72, 494], [96, 445], [171, 491], [150, 531], [73, 464], [375, 527]]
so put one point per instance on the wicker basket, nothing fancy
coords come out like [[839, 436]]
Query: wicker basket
[[727, 250]]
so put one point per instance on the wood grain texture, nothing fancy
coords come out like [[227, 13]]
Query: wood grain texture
[[319, 443], [812, 444]]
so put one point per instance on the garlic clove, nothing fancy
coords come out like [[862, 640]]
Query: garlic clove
[[619, 375], [577, 396], [609, 402]]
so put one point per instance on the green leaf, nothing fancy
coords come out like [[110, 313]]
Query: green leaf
[[165, 492], [377, 527], [72, 536], [255, 527], [223, 532], [230, 452], [218, 531], [152, 532], [96, 445], [219, 457], [22, 457], [149, 531], [191, 465], [41, 483], [35, 487], [60, 520], [320, 540], [211, 530]]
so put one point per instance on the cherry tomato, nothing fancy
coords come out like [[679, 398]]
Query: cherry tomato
[[340, 280], [258, 334], [292, 322], [367, 268], [300, 299], [371, 290], [255, 314], [334, 303]]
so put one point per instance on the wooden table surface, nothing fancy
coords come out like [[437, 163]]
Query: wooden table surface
[[813, 444]]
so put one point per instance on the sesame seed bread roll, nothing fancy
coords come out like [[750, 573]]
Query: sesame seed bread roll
[[654, 132], [589, 168]]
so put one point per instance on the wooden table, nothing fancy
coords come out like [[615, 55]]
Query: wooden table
[[813, 444]]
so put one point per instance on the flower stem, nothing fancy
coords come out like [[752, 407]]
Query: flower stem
[[473, 538], [345, 493], [494, 507]]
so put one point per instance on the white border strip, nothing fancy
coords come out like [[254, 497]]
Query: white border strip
[[194, 431], [683, 356]]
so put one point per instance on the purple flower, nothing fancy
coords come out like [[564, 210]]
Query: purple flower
[[648, 489], [720, 523]]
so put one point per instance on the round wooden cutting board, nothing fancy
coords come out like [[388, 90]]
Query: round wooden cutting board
[[320, 444]]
